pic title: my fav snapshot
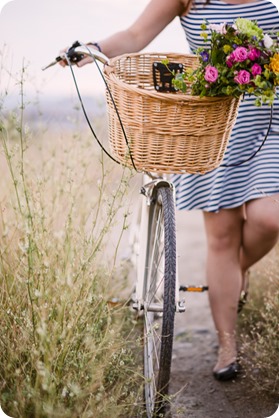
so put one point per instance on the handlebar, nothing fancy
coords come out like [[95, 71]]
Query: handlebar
[[77, 52]]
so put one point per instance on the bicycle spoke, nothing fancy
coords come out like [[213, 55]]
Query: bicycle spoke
[[156, 260]]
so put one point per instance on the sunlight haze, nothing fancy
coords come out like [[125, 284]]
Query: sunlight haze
[[36, 30]]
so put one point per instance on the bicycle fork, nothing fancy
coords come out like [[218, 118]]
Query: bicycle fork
[[149, 191]]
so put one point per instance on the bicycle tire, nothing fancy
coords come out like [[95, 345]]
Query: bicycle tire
[[159, 293]]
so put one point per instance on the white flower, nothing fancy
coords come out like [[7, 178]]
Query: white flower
[[221, 28], [267, 40]]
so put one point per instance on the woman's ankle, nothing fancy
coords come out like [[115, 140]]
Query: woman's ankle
[[227, 352]]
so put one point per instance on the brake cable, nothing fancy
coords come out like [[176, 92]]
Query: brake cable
[[114, 105], [237, 164]]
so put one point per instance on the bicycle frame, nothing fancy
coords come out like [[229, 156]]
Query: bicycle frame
[[147, 190]]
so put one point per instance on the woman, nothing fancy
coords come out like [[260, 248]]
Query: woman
[[240, 207]]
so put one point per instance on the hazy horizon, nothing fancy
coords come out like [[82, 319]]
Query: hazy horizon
[[34, 31]]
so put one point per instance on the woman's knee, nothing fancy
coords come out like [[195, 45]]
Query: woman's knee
[[223, 230], [223, 240], [263, 214], [268, 225]]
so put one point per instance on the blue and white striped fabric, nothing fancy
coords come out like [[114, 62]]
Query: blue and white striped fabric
[[233, 186]]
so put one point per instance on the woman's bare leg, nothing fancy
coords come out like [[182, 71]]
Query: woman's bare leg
[[260, 230], [224, 276], [235, 243]]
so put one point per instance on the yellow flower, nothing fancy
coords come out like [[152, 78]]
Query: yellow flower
[[203, 25], [189, 71], [274, 63], [227, 49], [204, 35]]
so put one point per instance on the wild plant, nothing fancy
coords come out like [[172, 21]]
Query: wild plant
[[65, 350]]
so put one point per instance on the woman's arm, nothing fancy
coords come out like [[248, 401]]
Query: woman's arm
[[155, 17]]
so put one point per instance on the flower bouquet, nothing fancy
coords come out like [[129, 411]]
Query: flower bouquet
[[237, 58]]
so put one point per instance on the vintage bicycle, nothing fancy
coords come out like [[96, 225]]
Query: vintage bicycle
[[155, 131]]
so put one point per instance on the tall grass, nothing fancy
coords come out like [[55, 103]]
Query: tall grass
[[65, 351], [260, 327]]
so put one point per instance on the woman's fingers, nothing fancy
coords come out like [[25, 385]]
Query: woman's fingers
[[63, 63], [81, 63], [84, 61]]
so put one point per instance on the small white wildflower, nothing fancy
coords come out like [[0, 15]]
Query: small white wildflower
[[46, 264], [98, 397], [69, 280], [64, 392], [41, 331], [267, 40], [221, 28], [75, 389]]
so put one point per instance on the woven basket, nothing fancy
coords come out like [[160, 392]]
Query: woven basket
[[166, 132]]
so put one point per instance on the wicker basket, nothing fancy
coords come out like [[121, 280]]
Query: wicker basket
[[166, 132]]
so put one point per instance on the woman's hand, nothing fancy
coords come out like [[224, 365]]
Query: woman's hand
[[82, 62]]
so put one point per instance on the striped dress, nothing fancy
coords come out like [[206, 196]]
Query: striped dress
[[233, 186]]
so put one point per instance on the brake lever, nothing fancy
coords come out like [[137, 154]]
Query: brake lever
[[76, 53], [57, 59]]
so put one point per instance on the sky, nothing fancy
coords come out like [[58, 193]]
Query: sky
[[36, 30]]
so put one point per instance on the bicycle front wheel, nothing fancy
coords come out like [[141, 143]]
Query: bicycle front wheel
[[159, 301]]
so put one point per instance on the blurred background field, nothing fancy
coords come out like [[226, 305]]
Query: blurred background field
[[66, 350]]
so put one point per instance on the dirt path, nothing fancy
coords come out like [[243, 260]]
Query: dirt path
[[195, 345]]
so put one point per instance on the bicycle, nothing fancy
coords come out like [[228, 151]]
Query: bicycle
[[157, 286]]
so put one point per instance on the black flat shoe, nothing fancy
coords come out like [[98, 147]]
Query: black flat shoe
[[227, 373]]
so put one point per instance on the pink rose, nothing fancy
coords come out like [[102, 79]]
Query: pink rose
[[211, 74], [240, 54], [242, 77], [230, 61], [256, 69], [254, 54]]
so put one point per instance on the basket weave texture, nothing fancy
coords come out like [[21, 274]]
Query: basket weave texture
[[166, 132]]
